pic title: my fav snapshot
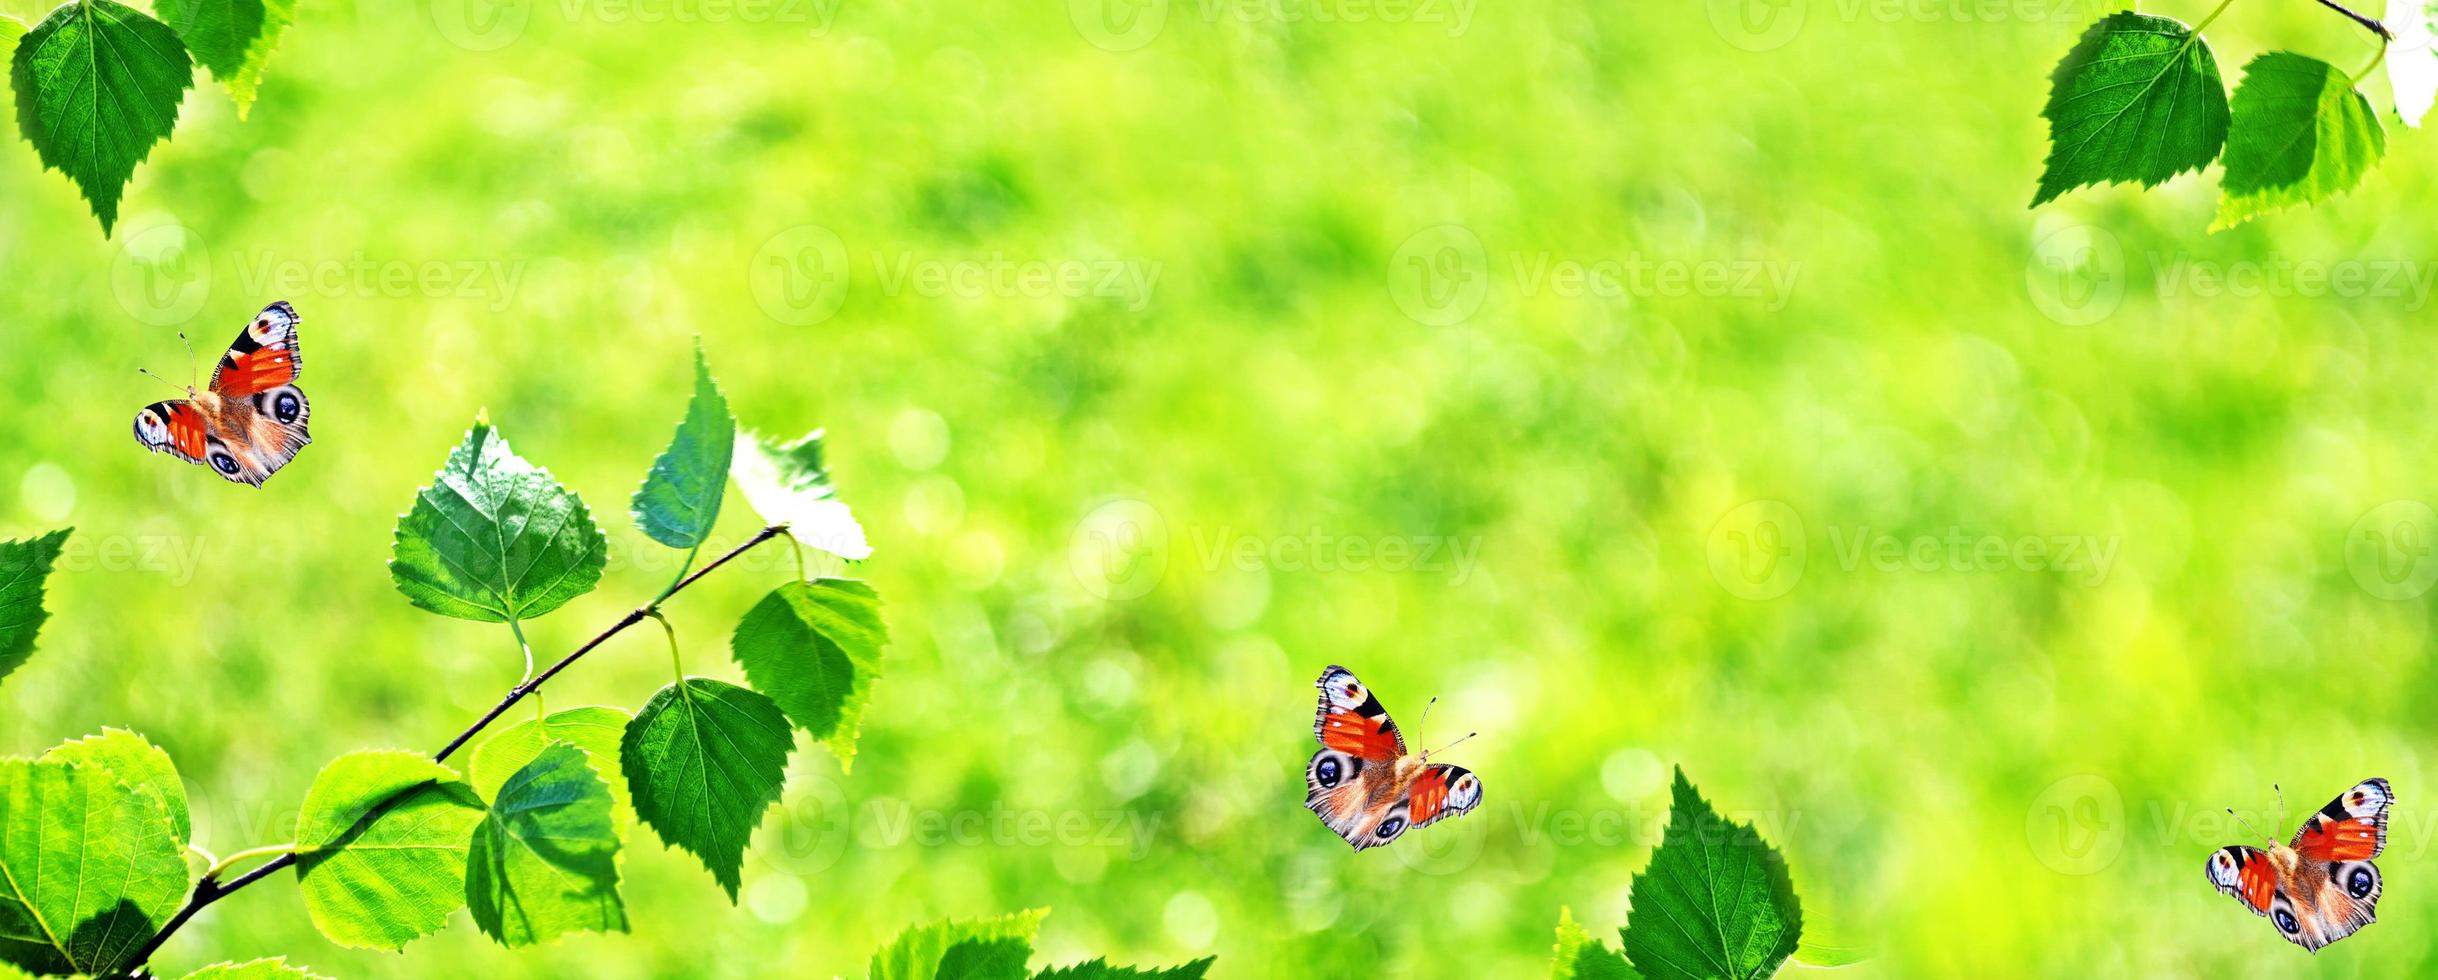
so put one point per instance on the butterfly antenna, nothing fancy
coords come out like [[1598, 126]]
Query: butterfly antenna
[[2281, 807], [1426, 717], [1468, 736], [160, 379], [190, 360]]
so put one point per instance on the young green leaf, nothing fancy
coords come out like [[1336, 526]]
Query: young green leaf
[[275, 968], [596, 729], [88, 869], [545, 858], [2412, 58], [1715, 902], [814, 647], [787, 484], [680, 498], [139, 764], [24, 567], [495, 538], [233, 38], [917, 953], [2137, 99], [10, 30], [1101, 970], [1580, 957], [381, 848], [97, 84], [704, 760], [2301, 134]]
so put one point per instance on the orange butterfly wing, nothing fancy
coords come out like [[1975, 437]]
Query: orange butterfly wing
[[2352, 827], [264, 356]]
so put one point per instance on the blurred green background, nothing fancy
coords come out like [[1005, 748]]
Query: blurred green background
[[1157, 342]]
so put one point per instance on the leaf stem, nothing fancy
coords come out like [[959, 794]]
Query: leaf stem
[[2213, 16], [2375, 60], [223, 865], [680, 580], [676, 663], [522, 647], [209, 889], [2368, 24]]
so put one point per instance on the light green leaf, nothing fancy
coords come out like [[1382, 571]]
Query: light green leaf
[[2137, 99], [787, 484], [381, 848], [88, 870], [595, 729], [275, 968], [545, 859], [1715, 902], [1101, 970], [2301, 134], [24, 567], [495, 538], [704, 760], [1580, 957], [97, 84], [814, 647], [2412, 58], [917, 953], [10, 30], [139, 764], [680, 498], [233, 38]]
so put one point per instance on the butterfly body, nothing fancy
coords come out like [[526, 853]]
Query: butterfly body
[[252, 418], [2321, 886], [1362, 784]]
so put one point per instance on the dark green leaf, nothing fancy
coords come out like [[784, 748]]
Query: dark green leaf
[[680, 499], [24, 567], [381, 848], [985, 959], [2137, 99], [233, 38], [88, 869], [545, 859], [1580, 957], [596, 729], [917, 953], [97, 84], [787, 484], [1101, 970], [814, 647], [2301, 134], [139, 764], [1715, 902], [704, 759], [276, 968], [495, 538]]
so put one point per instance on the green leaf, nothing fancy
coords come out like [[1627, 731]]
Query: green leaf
[[10, 30], [1715, 902], [704, 760], [2412, 58], [381, 848], [139, 764], [595, 729], [233, 38], [2137, 99], [680, 498], [24, 567], [917, 953], [985, 959], [97, 84], [495, 538], [1580, 957], [545, 858], [1101, 970], [2301, 134], [814, 647], [88, 869], [787, 484], [275, 968]]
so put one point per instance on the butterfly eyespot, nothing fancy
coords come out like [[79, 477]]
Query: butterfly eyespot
[[225, 463], [1326, 773], [286, 407], [2360, 882], [1390, 828], [2285, 922]]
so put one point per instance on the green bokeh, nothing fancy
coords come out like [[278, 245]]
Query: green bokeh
[[1835, 325]]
